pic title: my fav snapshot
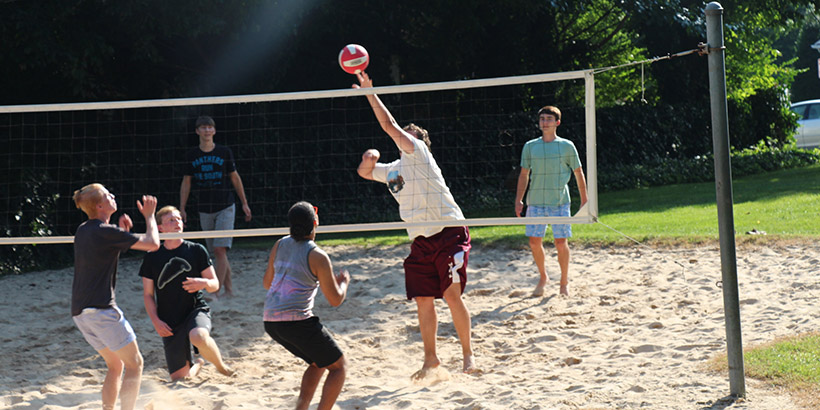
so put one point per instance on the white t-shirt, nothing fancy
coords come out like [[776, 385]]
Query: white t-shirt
[[416, 182]]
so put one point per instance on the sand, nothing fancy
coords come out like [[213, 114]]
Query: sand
[[636, 332]]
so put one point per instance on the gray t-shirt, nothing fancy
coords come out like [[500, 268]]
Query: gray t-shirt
[[97, 247]]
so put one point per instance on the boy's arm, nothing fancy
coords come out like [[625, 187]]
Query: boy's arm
[[368, 164], [523, 181], [184, 193], [236, 180], [208, 281], [401, 138], [149, 241], [582, 184], [334, 287], [161, 327], [267, 279]]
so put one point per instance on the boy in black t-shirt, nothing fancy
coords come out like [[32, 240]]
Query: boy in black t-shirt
[[210, 171], [173, 279]]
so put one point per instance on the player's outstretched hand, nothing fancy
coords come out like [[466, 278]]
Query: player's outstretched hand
[[148, 205], [125, 222], [364, 80]]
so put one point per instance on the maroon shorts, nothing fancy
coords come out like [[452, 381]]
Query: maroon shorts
[[437, 262]]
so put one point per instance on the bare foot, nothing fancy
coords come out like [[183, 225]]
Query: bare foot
[[195, 368], [470, 366], [539, 290], [564, 290], [430, 375], [227, 371]]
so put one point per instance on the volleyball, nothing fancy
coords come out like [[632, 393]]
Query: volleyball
[[353, 59]]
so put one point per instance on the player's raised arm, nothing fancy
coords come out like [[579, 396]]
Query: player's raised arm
[[149, 241], [402, 139]]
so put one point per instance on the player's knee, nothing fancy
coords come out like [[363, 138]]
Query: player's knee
[[198, 336], [135, 362], [338, 365]]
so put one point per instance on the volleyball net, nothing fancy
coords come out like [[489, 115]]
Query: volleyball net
[[288, 147]]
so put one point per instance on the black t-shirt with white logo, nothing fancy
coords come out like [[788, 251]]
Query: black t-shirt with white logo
[[168, 269]]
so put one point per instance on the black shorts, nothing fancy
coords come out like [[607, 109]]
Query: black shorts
[[178, 347], [306, 339]]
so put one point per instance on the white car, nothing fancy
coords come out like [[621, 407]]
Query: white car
[[808, 130]]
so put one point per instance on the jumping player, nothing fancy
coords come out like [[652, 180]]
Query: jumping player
[[437, 264]]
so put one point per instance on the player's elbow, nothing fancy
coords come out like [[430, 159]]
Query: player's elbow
[[336, 300], [365, 172]]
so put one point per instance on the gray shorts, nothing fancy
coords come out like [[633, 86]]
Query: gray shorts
[[218, 221], [105, 328]]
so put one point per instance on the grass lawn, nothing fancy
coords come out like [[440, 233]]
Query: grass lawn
[[784, 204]]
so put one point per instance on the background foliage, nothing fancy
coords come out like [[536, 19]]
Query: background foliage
[[653, 119]]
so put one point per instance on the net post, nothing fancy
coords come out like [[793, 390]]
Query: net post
[[723, 187], [591, 138]]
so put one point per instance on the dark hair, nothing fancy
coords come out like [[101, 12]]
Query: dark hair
[[205, 120], [419, 132], [551, 110], [302, 219]]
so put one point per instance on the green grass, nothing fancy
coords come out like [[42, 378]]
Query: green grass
[[791, 363], [784, 204]]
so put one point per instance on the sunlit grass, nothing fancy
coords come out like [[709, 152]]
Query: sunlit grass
[[783, 204], [791, 363]]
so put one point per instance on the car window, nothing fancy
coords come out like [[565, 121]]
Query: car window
[[813, 112], [800, 110]]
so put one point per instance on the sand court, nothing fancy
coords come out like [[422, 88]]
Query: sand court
[[635, 333]]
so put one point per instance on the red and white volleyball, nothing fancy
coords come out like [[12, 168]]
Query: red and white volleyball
[[353, 59]]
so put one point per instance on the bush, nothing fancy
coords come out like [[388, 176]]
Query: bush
[[750, 161]]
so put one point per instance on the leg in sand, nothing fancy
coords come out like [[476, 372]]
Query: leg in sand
[[562, 247], [461, 321], [223, 270], [333, 384], [330, 391], [190, 371], [208, 349], [539, 257], [431, 370], [310, 380], [126, 386]]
